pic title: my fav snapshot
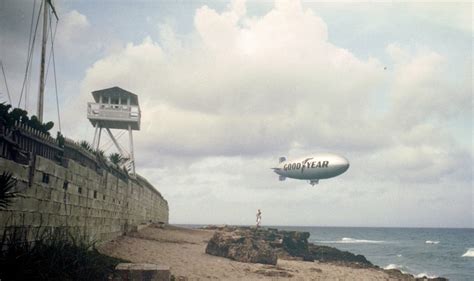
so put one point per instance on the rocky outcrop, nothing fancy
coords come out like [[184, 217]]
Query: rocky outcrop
[[240, 246], [247, 244], [330, 254], [266, 245]]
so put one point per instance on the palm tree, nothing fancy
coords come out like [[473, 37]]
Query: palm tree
[[100, 154], [84, 144], [116, 158], [7, 184]]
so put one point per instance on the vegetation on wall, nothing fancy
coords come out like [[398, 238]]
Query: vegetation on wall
[[99, 153], [9, 117], [87, 146], [117, 159], [60, 139], [7, 193]]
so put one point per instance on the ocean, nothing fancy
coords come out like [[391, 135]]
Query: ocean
[[419, 251], [428, 252]]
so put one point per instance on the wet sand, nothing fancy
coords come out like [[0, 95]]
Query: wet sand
[[184, 251]]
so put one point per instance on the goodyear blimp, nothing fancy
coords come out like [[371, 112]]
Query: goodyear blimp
[[312, 168]]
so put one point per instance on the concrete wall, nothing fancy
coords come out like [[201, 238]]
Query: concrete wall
[[99, 206]]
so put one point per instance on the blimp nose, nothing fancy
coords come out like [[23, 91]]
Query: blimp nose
[[343, 165], [346, 166]]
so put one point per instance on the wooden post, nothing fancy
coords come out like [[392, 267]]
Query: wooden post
[[43, 59]]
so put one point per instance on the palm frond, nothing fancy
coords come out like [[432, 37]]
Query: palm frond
[[7, 186]]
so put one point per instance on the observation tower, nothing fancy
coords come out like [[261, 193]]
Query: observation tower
[[115, 108]]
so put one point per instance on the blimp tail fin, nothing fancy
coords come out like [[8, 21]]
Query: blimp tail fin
[[282, 159], [282, 178]]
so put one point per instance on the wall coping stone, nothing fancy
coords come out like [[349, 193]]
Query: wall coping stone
[[143, 271]]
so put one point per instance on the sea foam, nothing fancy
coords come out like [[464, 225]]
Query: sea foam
[[347, 240], [393, 266], [469, 253], [352, 240], [402, 268], [405, 269], [431, 242], [426, 275]]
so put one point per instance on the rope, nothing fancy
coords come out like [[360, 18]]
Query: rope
[[6, 84], [30, 54], [29, 46], [54, 70], [50, 32]]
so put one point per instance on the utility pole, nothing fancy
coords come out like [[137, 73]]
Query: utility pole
[[43, 56]]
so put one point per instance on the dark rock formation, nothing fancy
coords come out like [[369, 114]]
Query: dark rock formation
[[241, 247], [259, 245], [265, 245], [330, 254]]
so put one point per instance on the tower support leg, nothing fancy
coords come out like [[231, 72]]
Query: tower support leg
[[132, 156], [95, 135], [116, 142], [98, 139]]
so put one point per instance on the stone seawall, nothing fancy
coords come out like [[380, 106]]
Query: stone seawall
[[89, 203]]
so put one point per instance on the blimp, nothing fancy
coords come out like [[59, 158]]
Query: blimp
[[312, 168]]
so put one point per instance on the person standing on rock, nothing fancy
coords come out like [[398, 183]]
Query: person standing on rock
[[259, 217]]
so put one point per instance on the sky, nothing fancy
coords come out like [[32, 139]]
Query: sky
[[226, 88]]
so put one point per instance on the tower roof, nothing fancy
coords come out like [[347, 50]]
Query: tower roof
[[115, 92]]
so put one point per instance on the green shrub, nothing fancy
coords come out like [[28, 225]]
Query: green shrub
[[7, 193], [9, 117], [55, 255]]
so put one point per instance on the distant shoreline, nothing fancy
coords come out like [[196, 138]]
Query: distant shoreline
[[189, 225]]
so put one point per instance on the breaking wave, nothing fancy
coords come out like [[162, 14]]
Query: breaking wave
[[424, 274], [405, 269], [431, 242], [347, 240], [402, 268], [469, 253], [352, 240], [393, 266]]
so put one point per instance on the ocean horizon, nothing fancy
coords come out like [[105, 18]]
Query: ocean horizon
[[421, 251]]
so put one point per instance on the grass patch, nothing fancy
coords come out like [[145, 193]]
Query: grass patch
[[55, 255]]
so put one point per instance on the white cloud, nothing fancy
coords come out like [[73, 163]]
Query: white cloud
[[220, 106], [72, 29], [274, 79], [423, 90], [441, 13]]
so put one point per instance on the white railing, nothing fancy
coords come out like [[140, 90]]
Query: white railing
[[96, 110]]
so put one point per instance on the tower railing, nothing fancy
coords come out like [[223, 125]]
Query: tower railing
[[122, 111]]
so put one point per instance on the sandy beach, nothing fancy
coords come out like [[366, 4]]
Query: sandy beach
[[184, 251]]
